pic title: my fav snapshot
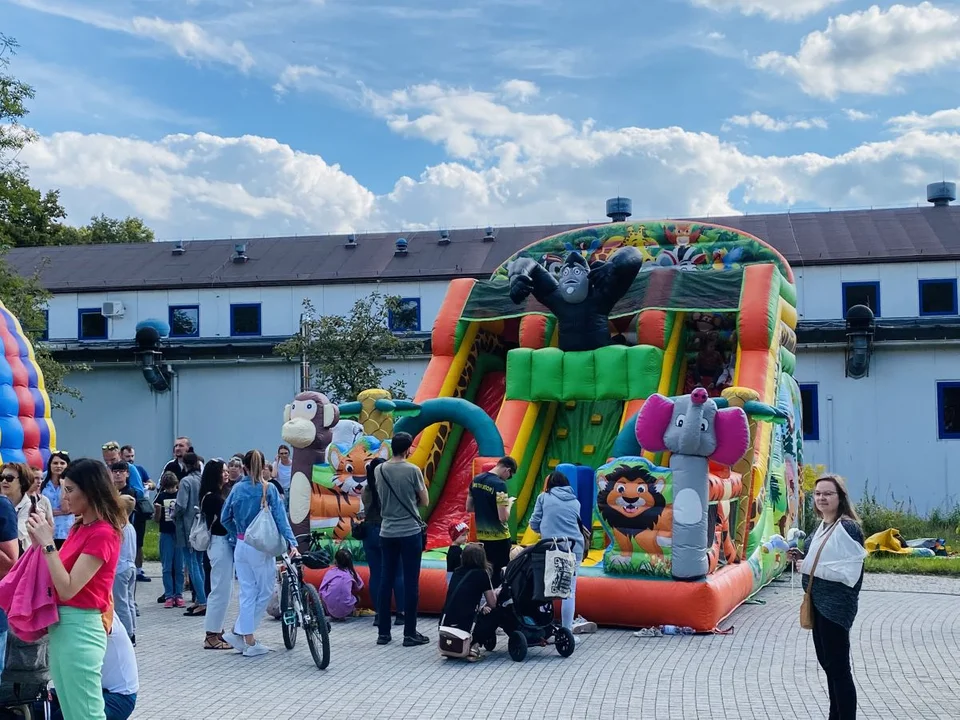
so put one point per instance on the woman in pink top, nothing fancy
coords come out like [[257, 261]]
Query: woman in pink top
[[339, 586], [82, 572]]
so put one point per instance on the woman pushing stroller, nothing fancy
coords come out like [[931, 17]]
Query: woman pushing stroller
[[469, 586]]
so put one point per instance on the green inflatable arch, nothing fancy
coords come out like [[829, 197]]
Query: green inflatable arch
[[461, 412]]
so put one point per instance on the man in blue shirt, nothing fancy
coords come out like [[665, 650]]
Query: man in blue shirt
[[9, 552], [111, 455]]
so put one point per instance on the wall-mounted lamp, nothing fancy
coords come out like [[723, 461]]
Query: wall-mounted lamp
[[861, 328]]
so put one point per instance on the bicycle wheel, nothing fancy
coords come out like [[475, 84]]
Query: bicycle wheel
[[288, 616], [315, 626]]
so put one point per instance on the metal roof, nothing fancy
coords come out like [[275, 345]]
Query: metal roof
[[812, 238]]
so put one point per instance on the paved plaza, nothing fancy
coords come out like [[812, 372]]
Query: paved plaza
[[906, 661]]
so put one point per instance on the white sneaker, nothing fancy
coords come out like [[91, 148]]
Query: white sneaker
[[255, 650], [235, 641], [583, 627]]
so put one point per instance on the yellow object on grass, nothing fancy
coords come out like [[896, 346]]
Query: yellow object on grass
[[888, 541]]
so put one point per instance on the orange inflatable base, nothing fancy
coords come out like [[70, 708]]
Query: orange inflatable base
[[628, 602]]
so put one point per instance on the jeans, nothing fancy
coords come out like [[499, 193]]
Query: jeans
[[194, 565], [124, 584], [406, 553], [221, 581], [4, 627], [171, 557], [256, 573], [832, 643], [568, 606], [374, 552]]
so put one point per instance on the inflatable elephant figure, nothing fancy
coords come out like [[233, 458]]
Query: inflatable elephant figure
[[695, 431]]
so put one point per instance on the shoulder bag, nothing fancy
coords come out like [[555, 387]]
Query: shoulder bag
[[262, 534], [199, 537], [415, 516], [587, 538], [806, 607]]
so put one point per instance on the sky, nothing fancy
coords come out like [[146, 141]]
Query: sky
[[242, 118]]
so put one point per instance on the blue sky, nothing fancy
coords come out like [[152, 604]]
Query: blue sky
[[214, 118]]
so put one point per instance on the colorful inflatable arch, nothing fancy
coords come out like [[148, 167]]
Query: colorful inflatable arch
[[26, 430], [698, 316]]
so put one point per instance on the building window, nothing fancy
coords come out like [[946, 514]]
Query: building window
[[809, 397], [938, 297], [407, 316], [948, 410], [184, 321], [91, 324], [245, 319], [861, 293]]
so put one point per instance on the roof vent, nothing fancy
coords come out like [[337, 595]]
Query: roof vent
[[240, 253], [619, 209], [488, 234], [444, 238], [401, 246], [941, 194], [351, 241], [178, 249]]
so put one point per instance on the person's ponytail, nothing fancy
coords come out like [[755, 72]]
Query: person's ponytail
[[253, 462]]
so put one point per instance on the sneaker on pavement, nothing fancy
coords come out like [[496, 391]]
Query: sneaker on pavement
[[400, 620], [255, 650], [234, 641], [582, 626], [169, 603], [179, 602], [162, 599], [143, 577], [383, 639], [413, 640]]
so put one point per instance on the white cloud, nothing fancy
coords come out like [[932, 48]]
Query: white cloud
[[296, 76], [867, 51], [505, 166], [942, 119], [522, 90], [857, 115], [765, 122], [187, 39], [775, 9], [192, 42]]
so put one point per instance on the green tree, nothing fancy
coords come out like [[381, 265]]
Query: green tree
[[343, 351], [14, 95]]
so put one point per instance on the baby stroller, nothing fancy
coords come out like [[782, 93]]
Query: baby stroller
[[23, 688], [526, 611]]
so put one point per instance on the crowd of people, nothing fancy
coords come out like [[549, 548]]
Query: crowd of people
[[87, 520]]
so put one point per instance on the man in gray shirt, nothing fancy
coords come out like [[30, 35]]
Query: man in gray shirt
[[401, 489]]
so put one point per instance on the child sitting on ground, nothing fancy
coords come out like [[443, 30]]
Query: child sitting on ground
[[125, 580], [171, 556], [458, 538], [470, 584], [340, 586]]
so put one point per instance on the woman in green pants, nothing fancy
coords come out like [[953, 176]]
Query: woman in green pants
[[82, 572]]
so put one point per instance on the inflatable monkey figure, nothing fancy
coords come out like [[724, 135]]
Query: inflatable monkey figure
[[581, 297]]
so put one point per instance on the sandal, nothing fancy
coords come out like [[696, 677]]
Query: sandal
[[474, 655], [196, 611], [215, 641]]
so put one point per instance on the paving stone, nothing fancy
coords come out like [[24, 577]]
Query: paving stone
[[906, 643]]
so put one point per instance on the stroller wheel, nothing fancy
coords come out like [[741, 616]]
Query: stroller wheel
[[490, 644], [517, 646], [563, 639]]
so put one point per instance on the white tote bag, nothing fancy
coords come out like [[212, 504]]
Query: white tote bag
[[558, 572], [199, 533], [842, 558], [262, 534]]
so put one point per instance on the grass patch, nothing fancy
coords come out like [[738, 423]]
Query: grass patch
[[900, 565], [151, 542]]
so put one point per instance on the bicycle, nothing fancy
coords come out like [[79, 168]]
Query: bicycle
[[301, 607]]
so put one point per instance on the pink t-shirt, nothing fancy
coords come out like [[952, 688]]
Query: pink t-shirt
[[102, 541]]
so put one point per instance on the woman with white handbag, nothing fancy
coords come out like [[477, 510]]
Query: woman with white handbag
[[253, 513], [832, 573]]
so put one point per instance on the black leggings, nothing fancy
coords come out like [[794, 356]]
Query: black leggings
[[832, 643]]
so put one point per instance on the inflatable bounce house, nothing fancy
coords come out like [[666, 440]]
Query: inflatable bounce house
[[26, 430], [652, 364]]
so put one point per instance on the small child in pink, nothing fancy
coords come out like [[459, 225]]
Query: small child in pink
[[340, 586]]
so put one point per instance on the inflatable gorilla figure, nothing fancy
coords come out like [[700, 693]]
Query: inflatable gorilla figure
[[582, 297]]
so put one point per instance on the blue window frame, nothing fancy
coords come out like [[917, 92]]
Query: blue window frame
[[245, 319], [861, 293], [948, 410], [810, 399], [408, 318], [91, 324], [938, 297], [184, 321]]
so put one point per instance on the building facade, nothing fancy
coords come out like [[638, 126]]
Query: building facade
[[894, 433]]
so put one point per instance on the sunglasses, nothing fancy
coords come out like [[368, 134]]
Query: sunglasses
[[111, 446], [9, 478]]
